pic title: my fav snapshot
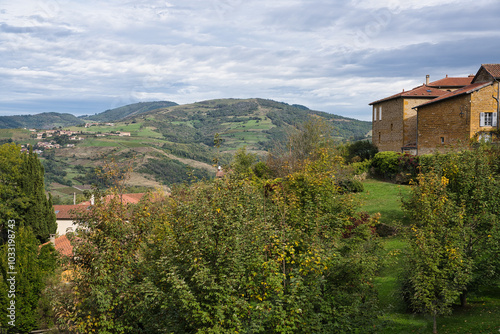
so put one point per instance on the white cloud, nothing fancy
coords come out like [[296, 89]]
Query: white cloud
[[333, 56]]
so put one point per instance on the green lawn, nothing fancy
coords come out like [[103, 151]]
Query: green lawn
[[482, 315], [385, 198]]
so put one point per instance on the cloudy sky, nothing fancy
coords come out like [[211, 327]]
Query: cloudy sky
[[86, 56]]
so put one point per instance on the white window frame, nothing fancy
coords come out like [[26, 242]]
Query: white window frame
[[488, 119], [380, 113], [374, 113]]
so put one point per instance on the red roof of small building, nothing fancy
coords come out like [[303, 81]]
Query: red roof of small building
[[422, 91], [62, 245], [452, 82], [68, 211], [493, 69], [464, 90]]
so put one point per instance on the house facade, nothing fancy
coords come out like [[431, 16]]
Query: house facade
[[394, 121], [450, 121], [440, 115]]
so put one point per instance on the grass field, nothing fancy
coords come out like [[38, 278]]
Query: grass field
[[482, 315], [385, 198]]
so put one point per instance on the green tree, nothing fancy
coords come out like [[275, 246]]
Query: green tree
[[437, 268], [474, 185], [22, 192], [23, 282]]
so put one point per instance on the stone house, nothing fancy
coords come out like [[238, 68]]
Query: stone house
[[438, 115], [394, 121], [449, 121]]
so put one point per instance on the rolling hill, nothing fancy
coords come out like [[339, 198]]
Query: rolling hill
[[113, 115], [164, 145], [39, 121]]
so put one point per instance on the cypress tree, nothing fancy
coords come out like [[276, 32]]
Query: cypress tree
[[40, 213]]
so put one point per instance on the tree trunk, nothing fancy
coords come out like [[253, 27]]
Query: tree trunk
[[463, 298]]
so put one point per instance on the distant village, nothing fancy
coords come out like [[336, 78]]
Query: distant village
[[74, 136]]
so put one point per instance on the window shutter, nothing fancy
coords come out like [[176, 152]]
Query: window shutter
[[380, 113], [481, 119], [494, 120], [374, 113]]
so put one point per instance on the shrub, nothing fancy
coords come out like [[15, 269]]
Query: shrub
[[386, 164], [351, 186], [360, 151]]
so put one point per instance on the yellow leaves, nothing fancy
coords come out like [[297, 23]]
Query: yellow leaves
[[444, 180]]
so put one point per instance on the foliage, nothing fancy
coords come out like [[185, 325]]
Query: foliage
[[359, 151], [437, 266], [46, 120], [29, 273], [116, 114], [22, 192], [395, 166], [170, 171], [351, 186], [457, 202], [300, 145]]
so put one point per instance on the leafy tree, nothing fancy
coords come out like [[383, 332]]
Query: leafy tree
[[437, 265], [22, 192], [31, 270]]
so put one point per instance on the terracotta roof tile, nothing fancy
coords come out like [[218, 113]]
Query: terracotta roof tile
[[493, 69], [62, 245], [422, 91], [452, 82], [68, 211], [464, 90]]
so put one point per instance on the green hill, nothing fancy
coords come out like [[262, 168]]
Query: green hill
[[113, 115], [39, 121], [256, 123], [175, 143]]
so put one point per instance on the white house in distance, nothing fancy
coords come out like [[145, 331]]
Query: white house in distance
[[65, 214]]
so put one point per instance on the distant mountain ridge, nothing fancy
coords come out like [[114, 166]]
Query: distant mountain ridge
[[255, 122], [117, 114], [46, 120]]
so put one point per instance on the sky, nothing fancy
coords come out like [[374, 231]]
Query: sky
[[337, 56]]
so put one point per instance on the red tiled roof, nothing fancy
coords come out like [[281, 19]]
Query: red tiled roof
[[452, 82], [126, 198], [68, 211], [422, 91], [464, 90], [62, 245], [493, 69]]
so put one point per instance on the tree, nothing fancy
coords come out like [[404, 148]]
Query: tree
[[438, 269], [22, 192], [474, 185], [23, 281]]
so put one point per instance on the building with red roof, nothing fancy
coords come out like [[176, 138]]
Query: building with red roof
[[437, 114]]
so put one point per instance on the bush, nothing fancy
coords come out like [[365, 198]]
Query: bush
[[350, 186], [359, 168], [386, 164], [360, 151]]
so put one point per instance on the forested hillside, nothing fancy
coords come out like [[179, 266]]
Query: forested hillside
[[39, 121]]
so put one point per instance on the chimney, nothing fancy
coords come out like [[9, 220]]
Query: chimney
[[53, 239], [427, 79], [92, 199], [74, 198]]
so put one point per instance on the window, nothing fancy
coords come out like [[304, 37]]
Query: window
[[484, 137], [488, 119], [379, 113], [442, 140], [374, 113]]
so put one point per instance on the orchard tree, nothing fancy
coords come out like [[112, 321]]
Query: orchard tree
[[437, 268]]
